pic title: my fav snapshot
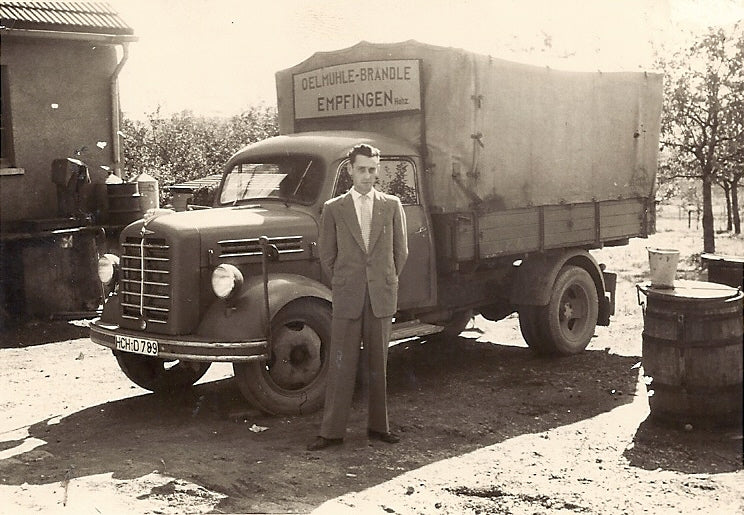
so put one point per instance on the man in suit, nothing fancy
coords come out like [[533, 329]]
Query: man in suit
[[363, 247]]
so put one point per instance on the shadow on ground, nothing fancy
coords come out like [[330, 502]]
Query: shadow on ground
[[40, 332], [445, 399], [693, 451]]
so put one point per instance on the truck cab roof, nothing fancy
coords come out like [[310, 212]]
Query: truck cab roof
[[328, 145]]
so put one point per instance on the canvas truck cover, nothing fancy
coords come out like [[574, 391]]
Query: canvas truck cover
[[494, 134]]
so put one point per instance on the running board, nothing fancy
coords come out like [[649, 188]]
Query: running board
[[403, 330]]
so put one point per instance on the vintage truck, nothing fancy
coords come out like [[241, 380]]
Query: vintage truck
[[509, 174]]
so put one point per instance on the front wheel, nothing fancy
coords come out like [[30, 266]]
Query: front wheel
[[566, 325], [293, 380], [158, 375]]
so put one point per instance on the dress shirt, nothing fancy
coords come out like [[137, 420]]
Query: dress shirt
[[358, 203]]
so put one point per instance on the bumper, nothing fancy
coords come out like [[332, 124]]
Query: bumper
[[105, 334]]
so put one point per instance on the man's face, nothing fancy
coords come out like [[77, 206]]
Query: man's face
[[364, 173]]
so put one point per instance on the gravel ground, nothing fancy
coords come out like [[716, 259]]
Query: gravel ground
[[487, 428]]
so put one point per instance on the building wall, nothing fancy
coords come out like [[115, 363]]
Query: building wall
[[76, 77]]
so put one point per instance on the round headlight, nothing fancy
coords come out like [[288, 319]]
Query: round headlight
[[226, 281], [107, 268]]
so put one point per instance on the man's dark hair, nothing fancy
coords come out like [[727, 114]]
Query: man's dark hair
[[362, 150]]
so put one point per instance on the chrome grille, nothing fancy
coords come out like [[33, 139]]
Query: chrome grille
[[145, 279], [251, 246]]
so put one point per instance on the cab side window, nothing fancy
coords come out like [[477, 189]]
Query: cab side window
[[397, 177]]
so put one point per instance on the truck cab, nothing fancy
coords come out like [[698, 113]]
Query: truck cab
[[241, 282]]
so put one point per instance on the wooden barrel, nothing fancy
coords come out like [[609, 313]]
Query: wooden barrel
[[124, 205], [692, 350]]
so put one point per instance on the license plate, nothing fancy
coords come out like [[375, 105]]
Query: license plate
[[137, 345]]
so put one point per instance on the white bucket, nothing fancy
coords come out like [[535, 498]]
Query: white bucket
[[663, 265]]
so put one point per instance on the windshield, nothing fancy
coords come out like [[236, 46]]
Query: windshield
[[292, 180]]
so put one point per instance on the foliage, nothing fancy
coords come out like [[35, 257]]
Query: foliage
[[183, 147], [702, 118]]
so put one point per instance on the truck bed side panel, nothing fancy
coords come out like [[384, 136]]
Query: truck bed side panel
[[463, 237]]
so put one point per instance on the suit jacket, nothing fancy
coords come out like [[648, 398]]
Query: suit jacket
[[351, 267]]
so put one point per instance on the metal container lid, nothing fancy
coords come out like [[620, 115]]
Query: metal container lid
[[721, 257], [689, 290]]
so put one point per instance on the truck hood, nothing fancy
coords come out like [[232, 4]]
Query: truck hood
[[229, 230]]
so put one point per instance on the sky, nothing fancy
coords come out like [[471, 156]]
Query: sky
[[219, 56]]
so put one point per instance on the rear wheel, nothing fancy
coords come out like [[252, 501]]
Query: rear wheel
[[293, 380], [567, 323], [158, 375], [529, 325]]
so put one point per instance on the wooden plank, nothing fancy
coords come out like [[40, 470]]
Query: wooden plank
[[578, 224], [582, 211], [614, 207], [510, 246], [611, 233], [515, 218], [573, 237], [622, 221], [506, 232]]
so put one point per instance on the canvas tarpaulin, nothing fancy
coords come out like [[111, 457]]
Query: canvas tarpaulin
[[498, 134]]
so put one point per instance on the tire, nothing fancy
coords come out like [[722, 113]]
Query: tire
[[160, 376], [566, 325], [293, 380], [529, 325]]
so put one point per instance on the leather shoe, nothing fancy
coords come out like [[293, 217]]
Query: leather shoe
[[387, 437], [321, 443]]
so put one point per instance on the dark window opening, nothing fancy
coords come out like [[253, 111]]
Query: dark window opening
[[7, 159]]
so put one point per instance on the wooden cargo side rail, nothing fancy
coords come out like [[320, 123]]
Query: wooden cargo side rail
[[474, 236]]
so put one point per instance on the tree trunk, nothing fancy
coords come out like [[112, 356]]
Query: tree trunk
[[727, 189], [735, 205], [709, 234]]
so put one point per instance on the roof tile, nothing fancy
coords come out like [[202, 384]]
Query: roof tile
[[90, 17]]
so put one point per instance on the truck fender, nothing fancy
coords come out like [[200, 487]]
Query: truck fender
[[242, 318], [536, 275]]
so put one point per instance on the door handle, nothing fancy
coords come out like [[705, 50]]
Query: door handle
[[421, 230]]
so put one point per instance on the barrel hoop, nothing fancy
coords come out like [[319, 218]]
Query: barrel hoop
[[713, 317], [709, 344]]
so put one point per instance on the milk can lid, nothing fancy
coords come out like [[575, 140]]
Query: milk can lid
[[143, 177]]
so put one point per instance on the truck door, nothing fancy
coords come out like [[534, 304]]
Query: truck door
[[398, 177]]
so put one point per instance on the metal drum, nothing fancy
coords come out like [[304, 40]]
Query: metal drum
[[124, 206], [692, 349], [724, 269]]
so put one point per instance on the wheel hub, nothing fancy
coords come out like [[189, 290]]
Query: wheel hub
[[295, 357]]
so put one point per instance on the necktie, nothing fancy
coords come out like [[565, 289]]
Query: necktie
[[365, 219]]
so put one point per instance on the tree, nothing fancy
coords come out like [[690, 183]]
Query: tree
[[182, 147], [729, 178], [703, 87]]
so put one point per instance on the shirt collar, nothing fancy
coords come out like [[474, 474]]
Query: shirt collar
[[355, 194]]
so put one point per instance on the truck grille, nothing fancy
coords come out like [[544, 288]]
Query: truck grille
[[145, 279], [251, 246]]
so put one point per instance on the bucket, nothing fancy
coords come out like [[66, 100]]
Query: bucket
[[663, 265], [124, 205], [692, 350]]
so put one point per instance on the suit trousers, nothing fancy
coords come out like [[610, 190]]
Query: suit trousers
[[345, 354]]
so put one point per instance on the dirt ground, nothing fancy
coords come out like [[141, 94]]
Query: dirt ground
[[486, 426]]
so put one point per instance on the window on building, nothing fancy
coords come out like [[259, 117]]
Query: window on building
[[7, 159]]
